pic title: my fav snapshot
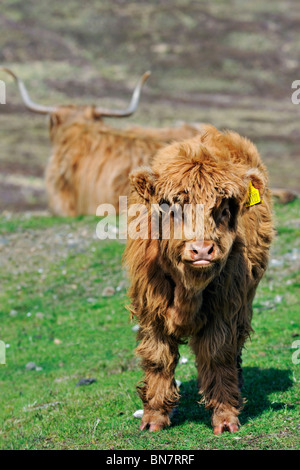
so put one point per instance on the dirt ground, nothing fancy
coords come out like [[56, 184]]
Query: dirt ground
[[230, 63]]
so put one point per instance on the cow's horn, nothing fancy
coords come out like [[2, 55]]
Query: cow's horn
[[133, 104], [37, 108]]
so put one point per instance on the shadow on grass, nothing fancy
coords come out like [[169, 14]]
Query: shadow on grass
[[258, 385]]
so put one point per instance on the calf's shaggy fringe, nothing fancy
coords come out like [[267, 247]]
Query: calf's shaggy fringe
[[210, 302]]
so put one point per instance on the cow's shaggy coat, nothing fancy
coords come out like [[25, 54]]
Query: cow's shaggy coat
[[199, 289], [91, 161]]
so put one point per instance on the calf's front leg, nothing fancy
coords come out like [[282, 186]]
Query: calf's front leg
[[218, 381], [159, 391]]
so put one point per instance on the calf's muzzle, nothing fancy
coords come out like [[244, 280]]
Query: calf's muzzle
[[200, 252]]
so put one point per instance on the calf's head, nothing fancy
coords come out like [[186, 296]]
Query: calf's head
[[201, 189]]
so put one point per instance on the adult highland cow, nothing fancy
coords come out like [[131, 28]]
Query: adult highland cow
[[91, 160], [194, 288]]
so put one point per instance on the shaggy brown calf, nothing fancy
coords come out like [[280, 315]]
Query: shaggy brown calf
[[91, 161], [194, 288]]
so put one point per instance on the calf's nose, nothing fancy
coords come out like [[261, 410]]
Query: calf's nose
[[202, 250]]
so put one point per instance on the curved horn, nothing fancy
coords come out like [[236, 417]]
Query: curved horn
[[133, 104], [37, 108]]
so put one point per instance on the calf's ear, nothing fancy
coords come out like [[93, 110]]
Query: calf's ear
[[143, 182], [258, 179]]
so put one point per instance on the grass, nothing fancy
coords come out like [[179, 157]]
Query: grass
[[53, 313]]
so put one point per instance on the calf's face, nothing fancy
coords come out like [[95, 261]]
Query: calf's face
[[202, 257], [211, 188]]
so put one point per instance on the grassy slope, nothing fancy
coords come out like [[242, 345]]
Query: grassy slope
[[63, 278]]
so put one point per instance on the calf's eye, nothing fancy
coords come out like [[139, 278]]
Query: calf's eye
[[225, 213]]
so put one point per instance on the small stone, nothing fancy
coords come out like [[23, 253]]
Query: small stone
[[121, 286], [57, 341], [108, 291], [30, 366], [3, 241], [138, 413], [85, 382], [135, 328], [183, 360]]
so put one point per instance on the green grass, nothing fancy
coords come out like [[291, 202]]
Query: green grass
[[53, 313]]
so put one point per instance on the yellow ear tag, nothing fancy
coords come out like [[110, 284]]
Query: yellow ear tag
[[253, 196]]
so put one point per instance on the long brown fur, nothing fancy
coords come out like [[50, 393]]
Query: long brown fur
[[91, 161], [211, 306]]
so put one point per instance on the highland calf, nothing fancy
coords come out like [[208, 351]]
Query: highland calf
[[91, 160], [199, 288]]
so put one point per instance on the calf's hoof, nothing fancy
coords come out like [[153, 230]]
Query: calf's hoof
[[154, 422], [152, 427], [231, 427]]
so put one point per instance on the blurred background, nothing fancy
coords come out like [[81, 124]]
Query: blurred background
[[228, 62]]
